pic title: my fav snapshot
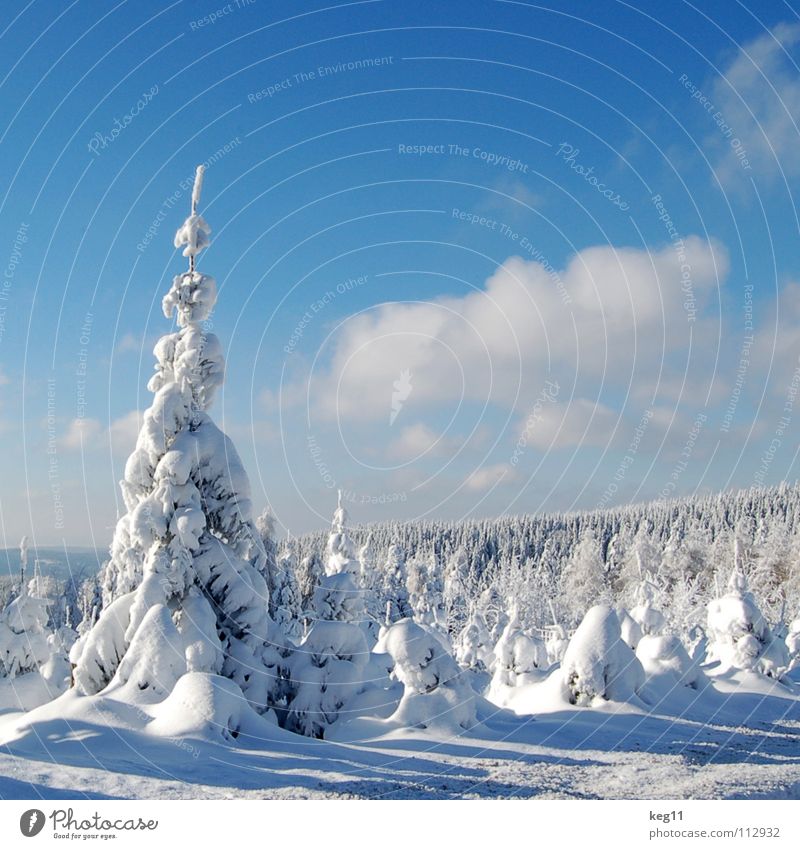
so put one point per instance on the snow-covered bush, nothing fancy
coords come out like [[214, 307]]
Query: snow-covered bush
[[556, 643], [24, 636], [187, 539], [436, 694], [598, 663], [474, 649], [516, 656], [740, 637], [207, 707]]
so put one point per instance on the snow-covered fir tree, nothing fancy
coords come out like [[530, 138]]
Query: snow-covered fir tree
[[584, 577], [285, 600], [394, 585], [265, 524], [182, 590], [327, 668]]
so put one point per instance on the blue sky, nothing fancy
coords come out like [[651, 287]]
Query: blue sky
[[474, 258]]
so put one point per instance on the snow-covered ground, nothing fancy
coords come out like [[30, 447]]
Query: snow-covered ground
[[736, 739]]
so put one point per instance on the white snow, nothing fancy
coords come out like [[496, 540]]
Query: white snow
[[598, 664]]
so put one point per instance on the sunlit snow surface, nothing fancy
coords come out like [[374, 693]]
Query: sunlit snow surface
[[737, 738]]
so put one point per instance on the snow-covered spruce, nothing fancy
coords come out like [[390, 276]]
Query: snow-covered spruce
[[436, 693], [597, 663], [285, 600], [740, 637], [327, 667], [184, 589], [268, 564]]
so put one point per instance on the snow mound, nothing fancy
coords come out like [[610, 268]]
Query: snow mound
[[205, 706], [665, 655], [598, 663]]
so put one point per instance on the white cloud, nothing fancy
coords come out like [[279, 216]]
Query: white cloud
[[123, 432], [496, 345], [490, 476], [580, 422], [417, 440], [129, 342], [81, 433], [90, 434], [758, 97]]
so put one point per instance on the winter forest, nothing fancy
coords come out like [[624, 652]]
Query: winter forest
[[654, 631]]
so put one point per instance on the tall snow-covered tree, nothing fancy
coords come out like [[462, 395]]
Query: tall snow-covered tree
[[267, 565], [23, 560], [457, 591], [584, 578], [89, 603], [181, 592]]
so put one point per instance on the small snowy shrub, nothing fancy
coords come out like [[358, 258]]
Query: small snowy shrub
[[436, 693], [740, 637]]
